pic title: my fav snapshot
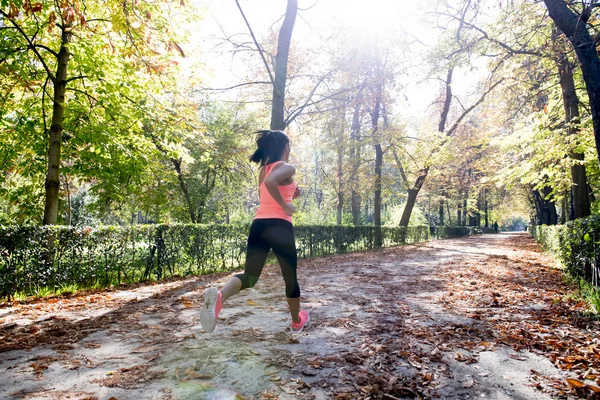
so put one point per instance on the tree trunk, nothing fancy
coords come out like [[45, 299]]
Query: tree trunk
[[564, 210], [58, 112], [575, 28], [355, 157], [412, 197], [378, 156], [478, 215], [340, 208], [340, 172], [281, 60], [377, 194], [459, 214], [581, 198], [414, 192], [486, 209], [546, 209], [441, 212], [340, 190], [183, 186]]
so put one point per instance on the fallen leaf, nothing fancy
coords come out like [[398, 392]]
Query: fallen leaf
[[144, 349], [575, 383], [468, 384]]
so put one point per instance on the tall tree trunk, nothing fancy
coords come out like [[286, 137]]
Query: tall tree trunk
[[564, 210], [449, 213], [378, 155], [579, 187], [575, 28], [485, 200], [414, 191], [340, 170], [546, 209], [58, 112], [479, 207], [281, 61], [184, 190], [441, 212], [355, 159], [412, 196], [340, 189], [459, 214], [377, 194]]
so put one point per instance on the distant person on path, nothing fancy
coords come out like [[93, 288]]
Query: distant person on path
[[271, 229], [495, 226]]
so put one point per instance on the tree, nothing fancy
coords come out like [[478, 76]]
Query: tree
[[87, 58], [575, 27]]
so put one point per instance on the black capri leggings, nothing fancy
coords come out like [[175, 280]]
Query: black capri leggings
[[276, 234]]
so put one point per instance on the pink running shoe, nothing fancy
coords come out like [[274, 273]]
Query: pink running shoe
[[211, 309], [304, 322]]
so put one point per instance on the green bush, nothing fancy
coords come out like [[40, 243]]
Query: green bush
[[37, 260], [575, 245]]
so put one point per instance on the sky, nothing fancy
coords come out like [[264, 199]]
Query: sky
[[316, 20]]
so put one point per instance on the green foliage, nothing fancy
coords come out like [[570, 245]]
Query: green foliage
[[576, 245], [38, 260], [392, 215], [116, 77]]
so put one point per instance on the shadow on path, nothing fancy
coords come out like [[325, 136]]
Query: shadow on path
[[481, 317]]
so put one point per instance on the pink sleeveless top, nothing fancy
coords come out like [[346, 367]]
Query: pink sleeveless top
[[268, 207]]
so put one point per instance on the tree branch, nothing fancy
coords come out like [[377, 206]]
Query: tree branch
[[468, 110], [240, 84], [48, 49], [256, 42], [301, 108], [331, 96], [75, 78], [31, 46]]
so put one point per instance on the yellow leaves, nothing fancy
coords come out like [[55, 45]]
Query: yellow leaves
[[36, 7], [51, 21], [251, 302], [13, 11], [173, 44], [69, 16], [577, 384]]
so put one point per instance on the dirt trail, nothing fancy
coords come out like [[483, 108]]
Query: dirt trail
[[481, 317]]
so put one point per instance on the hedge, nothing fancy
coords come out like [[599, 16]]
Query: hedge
[[575, 245], [33, 259]]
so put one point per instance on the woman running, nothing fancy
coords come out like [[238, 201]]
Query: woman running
[[271, 229]]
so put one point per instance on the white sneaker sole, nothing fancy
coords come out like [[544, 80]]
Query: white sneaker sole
[[208, 317], [306, 325]]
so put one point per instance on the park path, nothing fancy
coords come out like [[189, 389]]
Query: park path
[[481, 317]]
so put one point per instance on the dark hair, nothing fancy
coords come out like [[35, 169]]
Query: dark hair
[[271, 145]]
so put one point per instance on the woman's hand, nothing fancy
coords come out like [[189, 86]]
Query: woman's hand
[[298, 192], [289, 209]]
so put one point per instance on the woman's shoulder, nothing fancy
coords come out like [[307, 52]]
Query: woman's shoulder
[[282, 166], [279, 164]]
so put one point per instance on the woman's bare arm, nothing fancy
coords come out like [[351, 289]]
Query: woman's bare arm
[[279, 175]]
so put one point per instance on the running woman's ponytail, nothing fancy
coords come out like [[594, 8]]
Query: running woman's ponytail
[[270, 147]]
